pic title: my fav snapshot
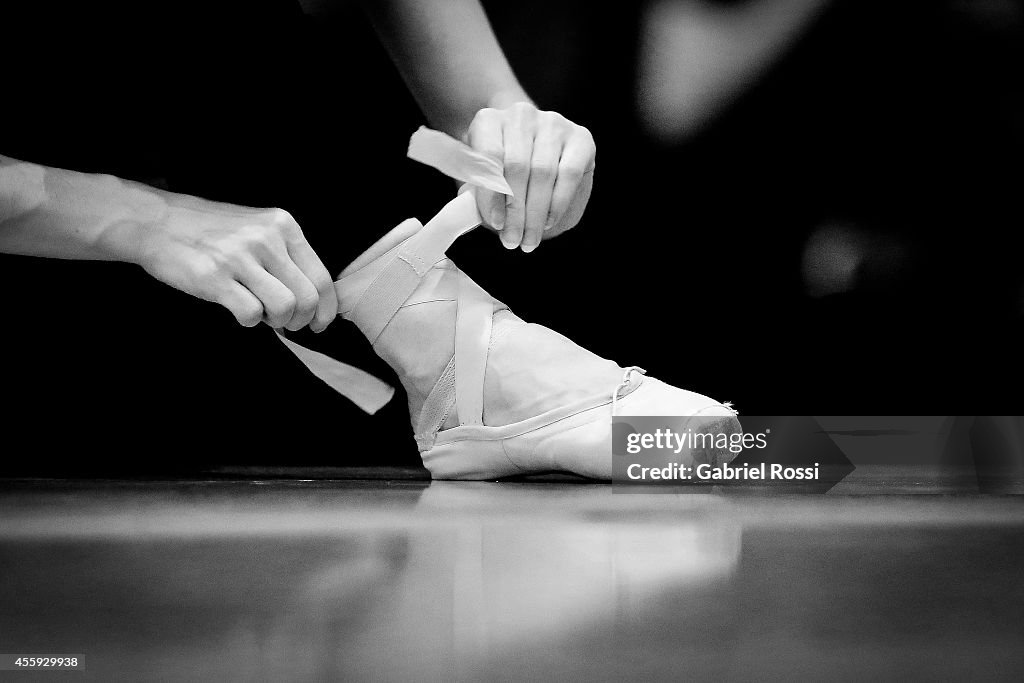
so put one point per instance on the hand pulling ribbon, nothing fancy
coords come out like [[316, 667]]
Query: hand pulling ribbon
[[456, 160]]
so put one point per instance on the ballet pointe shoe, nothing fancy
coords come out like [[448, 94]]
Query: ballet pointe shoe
[[490, 395]]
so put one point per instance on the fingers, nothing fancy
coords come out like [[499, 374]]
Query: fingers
[[576, 208], [277, 299], [485, 135], [254, 262], [281, 293], [315, 271], [242, 303], [290, 261], [572, 187], [518, 139], [548, 162], [304, 294], [543, 172]]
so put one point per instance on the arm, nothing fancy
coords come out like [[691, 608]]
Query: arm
[[449, 58], [63, 214], [451, 61], [254, 262]]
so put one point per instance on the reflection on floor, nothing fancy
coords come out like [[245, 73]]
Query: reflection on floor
[[410, 580]]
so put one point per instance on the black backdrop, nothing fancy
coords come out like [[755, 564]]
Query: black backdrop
[[904, 120]]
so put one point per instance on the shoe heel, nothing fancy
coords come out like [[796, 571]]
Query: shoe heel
[[469, 460]]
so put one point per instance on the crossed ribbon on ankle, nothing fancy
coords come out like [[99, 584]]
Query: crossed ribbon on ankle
[[458, 161]]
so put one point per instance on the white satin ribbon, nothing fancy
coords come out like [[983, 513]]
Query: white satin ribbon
[[454, 159]]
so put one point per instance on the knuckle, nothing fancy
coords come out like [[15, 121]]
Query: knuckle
[[282, 307], [552, 120], [287, 303], [248, 314], [254, 237], [281, 218], [221, 257], [227, 259], [524, 107], [484, 115], [235, 260], [205, 269], [307, 301]]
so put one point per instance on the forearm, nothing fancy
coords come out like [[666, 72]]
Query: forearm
[[449, 57], [65, 214], [254, 262]]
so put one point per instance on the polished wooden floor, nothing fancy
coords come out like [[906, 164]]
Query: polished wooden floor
[[400, 579]]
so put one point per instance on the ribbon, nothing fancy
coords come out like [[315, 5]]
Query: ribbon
[[454, 159]]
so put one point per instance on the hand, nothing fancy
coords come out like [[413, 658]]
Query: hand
[[254, 262], [549, 163]]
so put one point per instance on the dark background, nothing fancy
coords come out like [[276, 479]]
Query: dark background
[[896, 125]]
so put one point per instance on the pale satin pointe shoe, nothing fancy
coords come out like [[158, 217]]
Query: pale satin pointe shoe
[[490, 395]]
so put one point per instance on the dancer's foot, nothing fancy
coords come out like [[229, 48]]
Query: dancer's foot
[[489, 394]]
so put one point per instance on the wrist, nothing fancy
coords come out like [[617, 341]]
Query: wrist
[[502, 99], [141, 213]]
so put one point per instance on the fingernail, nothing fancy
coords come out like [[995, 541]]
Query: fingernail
[[497, 221], [548, 226], [527, 248], [509, 243]]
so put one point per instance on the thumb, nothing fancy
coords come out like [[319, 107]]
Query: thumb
[[492, 208]]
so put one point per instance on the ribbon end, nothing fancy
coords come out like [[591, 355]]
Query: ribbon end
[[457, 160]]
